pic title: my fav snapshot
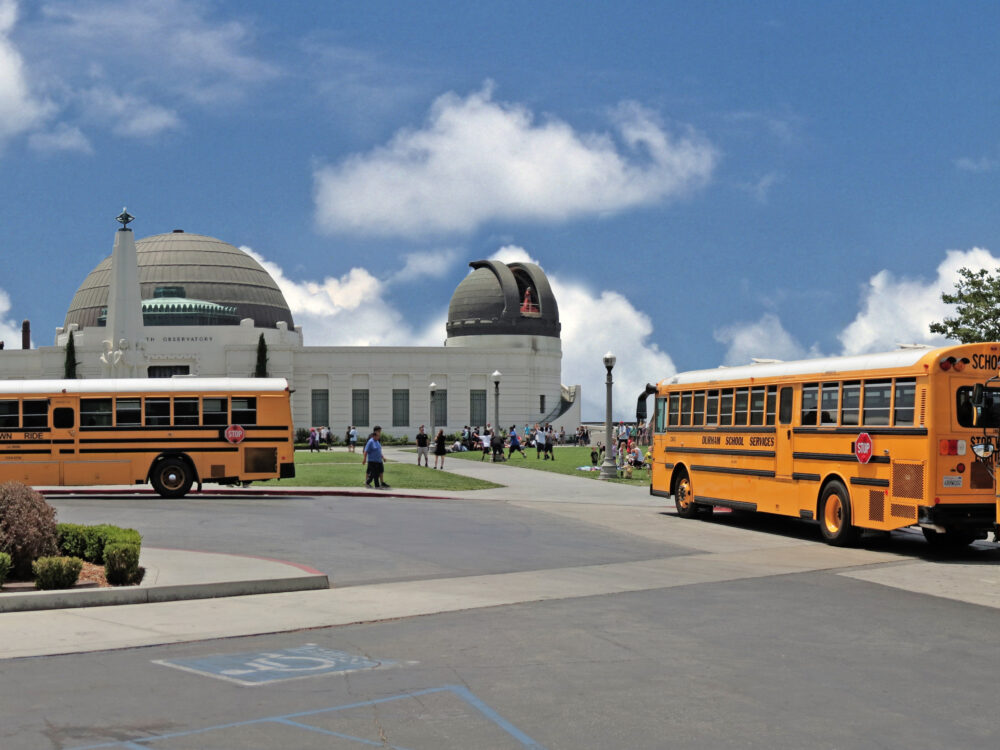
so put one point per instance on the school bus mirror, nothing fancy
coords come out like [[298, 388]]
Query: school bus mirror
[[983, 450], [978, 391]]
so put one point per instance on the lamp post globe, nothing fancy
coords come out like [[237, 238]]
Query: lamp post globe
[[608, 468], [496, 398], [432, 387]]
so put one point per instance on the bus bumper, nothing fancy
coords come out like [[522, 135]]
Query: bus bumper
[[942, 517], [287, 471]]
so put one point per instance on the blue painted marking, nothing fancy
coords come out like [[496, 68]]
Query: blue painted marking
[[289, 720], [260, 667]]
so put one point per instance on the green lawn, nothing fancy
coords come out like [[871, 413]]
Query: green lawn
[[567, 459], [343, 469]]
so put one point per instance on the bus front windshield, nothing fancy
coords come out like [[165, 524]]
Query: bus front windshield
[[985, 417]]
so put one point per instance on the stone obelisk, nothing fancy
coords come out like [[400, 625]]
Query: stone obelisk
[[124, 350]]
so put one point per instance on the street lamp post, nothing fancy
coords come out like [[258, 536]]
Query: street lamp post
[[432, 387], [496, 398], [608, 469]]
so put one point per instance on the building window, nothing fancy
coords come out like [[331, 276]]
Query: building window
[[400, 407], [359, 407], [440, 407], [167, 371], [320, 407], [477, 408], [541, 404]]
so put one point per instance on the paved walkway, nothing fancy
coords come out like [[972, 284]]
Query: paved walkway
[[719, 552]]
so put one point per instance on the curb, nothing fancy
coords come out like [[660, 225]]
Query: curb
[[106, 597], [45, 492]]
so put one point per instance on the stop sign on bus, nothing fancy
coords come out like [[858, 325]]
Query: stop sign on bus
[[235, 434], [863, 447]]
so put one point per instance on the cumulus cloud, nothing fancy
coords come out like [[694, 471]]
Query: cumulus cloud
[[431, 264], [10, 329], [126, 115], [61, 138], [623, 329], [351, 310], [900, 310], [477, 160], [765, 338], [20, 110]]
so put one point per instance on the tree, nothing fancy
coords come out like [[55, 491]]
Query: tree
[[977, 296], [261, 370], [69, 371]]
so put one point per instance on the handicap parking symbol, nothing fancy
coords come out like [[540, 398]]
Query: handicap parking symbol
[[260, 667]]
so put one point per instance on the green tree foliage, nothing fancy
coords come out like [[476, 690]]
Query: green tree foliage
[[70, 367], [261, 370], [977, 300]]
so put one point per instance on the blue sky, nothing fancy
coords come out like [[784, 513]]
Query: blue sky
[[704, 182]]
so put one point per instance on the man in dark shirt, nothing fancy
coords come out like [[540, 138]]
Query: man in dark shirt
[[423, 439]]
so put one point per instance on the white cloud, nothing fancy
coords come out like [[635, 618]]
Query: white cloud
[[19, 109], [61, 138], [476, 160], [765, 338], [981, 165], [431, 264], [10, 329], [127, 115], [900, 310], [594, 322]]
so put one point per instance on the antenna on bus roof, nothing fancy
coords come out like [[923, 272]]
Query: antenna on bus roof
[[914, 346], [764, 361]]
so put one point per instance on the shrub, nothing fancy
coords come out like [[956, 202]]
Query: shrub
[[302, 435], [72, 539], [4, 566], [56, 572], [89, 542], [27, 526], [121, 564]]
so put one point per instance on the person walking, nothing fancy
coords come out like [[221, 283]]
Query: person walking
[[352, 437], [550, 442], [423, 440], [373, 458], [439, 449], [313, 440], [515, 444]]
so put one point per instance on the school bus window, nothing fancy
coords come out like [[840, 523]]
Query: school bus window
[[128, 412], [740, 406], [661, 414], [216, 411], [185, 411], [810, 403], [772, 398], [685, 410], [850, 404], [63, 418], [757, 398], [877, 397], [906, 390], [8, 414], [828, 402], [675, 410], [157, 412], [712, 407], [244, 411], [95, 412], [699, 409], [785, 407], [726, 407], [35, 414]]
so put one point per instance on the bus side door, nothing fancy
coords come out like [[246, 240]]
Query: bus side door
[[64, 432], [783, 435]]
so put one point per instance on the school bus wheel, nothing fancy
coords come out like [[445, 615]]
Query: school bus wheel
[[171, 477], [684, 496], [952, 540], [835, 516]]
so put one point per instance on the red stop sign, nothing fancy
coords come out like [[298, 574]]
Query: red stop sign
[[235, 434], [863, 447]]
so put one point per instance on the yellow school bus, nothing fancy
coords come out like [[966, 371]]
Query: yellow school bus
[[170, 432], [875, 441]]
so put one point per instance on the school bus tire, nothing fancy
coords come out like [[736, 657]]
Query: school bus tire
[[835, 515], [171, 477], [953, 540], [684, 496]]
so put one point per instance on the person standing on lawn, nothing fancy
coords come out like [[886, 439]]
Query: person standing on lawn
[[439, 448], [540, 444], [515, 443], [373, 458], [423, 440]]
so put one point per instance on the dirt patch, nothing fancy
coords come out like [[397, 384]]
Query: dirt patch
[[91, 576]]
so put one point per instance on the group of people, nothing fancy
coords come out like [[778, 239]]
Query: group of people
[[321, 438], [423, 447]]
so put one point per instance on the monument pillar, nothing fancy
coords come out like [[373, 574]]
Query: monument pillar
[[124, 349]]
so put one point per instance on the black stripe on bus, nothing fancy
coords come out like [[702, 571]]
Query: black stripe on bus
[[730, 470], [734, 504], [67, 450], [16, 452], [668, 466], [839, 457], [870, 482], [806, 477], [185, 427], [721, 452], [170, 441], [859, 430], [769, 429], [234, 449]]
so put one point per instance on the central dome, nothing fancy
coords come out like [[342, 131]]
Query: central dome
[[498, 298], [197, 269]]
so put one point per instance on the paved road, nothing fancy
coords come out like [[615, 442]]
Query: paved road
[[597, 620]]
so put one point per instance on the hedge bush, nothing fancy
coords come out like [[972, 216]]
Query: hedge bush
[[121, 564], [4, 566], [27, 526], [89, 542], [56, 572]]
